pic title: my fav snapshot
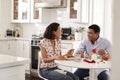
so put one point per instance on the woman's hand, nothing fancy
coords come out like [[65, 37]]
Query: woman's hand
[[60, 57], [70, 52]]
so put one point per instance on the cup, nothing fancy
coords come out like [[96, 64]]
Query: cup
[[87, 56], [77, 57]]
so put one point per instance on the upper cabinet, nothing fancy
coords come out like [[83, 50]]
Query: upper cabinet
[[78, 10], [35, 12], [20, 11], [24, 11]]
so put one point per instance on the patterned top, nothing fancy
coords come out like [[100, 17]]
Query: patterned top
[[50, 51]]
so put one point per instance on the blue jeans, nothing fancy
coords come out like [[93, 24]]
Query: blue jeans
[[81, 73], [51, 74]]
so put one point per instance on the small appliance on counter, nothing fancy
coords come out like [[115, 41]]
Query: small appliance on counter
[[9, 33], [66, 32], [16, 33]]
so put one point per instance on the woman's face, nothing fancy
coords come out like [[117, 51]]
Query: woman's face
[[58, 32]]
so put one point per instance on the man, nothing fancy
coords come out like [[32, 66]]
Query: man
[[102, 46]]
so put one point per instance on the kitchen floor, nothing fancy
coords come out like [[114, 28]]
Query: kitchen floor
[[28, 77]]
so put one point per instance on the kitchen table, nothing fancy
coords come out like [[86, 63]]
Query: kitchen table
[[85, 65]]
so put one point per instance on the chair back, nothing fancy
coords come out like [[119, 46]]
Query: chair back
[[38, 70]]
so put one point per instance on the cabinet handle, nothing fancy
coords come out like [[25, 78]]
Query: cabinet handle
[[23, 46], [64, 48], [9, 46]]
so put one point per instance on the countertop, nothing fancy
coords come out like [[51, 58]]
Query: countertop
[[9, 61], [14, 38]]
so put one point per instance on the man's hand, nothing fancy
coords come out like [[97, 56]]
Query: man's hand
[[101, 52], [105, 56]]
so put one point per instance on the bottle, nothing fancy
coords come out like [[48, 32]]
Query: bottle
[[94, 54]]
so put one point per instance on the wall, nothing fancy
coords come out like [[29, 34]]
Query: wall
[[0, 16], [116, 40], [55, 15], [98, 14], [5, 16], [30, 28], [108, 20]]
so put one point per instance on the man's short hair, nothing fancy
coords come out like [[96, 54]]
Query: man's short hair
[[95, 27]]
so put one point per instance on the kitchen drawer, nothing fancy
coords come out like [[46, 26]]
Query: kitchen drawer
[[64, 51], [66, 46]]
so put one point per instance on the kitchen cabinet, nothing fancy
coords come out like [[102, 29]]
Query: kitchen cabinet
[[35, 12], [78, 11], [20, 11], [65, 46], [3, 47], [25, 11], [16, 47]]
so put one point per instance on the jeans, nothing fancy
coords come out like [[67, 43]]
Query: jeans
[[52, 74], [82, 73]]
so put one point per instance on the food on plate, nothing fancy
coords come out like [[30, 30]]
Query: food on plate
[[70, 56]]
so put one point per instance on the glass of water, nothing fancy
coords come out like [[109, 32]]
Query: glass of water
[[77, 57]]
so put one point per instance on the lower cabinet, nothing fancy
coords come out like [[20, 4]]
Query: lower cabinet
[[16, 47], [13, 73], [65, 46]]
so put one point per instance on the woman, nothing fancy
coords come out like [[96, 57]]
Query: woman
[[51, 50]]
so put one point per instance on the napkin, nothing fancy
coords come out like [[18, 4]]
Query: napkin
[[89, 61]]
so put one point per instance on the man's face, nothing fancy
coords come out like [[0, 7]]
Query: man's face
[[92, 35]]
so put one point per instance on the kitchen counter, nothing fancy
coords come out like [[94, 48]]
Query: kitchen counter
[[14, 38], [8, 61], [12, 68], [67, 41]]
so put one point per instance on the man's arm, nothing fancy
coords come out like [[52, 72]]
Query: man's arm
[[81, 48], [105, 53]]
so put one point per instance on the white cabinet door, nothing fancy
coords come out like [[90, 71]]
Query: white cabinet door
[[18, 48], [65, 46], [3, 47], [10, 48], [26, 49], [26, 52], [78, 11], [35, 12], [74, 10], [20, 11]]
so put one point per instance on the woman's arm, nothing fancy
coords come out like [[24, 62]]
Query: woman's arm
[[44, 55]]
